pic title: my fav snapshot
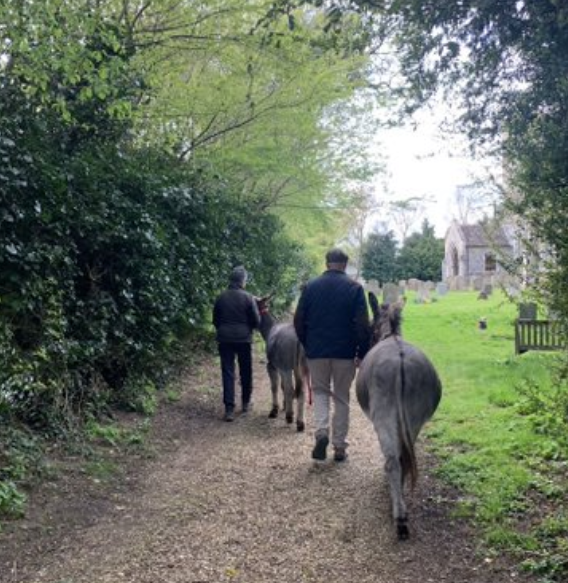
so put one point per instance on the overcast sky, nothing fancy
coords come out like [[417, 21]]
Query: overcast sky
[[425, 163]]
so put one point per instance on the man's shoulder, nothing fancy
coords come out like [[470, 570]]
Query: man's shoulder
[[231, 293]]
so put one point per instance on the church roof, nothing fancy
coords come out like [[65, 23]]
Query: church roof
[[484, 236]]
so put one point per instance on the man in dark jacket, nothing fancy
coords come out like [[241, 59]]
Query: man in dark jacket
[[332, 323], [235, 316]]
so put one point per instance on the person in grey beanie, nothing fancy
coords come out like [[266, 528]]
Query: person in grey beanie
[[235, 317]]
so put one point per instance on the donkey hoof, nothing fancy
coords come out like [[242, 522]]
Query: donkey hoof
[[402, 529], [300, 426], [273, 413], [289, 418]]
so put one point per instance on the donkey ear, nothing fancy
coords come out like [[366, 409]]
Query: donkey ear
[[265, 299], [261, 302], [374, 303]]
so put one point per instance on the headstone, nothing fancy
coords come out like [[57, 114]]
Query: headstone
[[459, 283], [373, 286], [441, 289], [413, 284], [477, 283], [391, 293], [488, 289], [527, 311], [423, 294]]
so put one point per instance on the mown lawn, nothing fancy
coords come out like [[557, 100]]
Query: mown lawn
[[489, 434]]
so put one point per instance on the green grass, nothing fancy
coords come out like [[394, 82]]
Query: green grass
[[488, 447]]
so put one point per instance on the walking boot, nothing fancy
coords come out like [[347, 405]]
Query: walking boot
[[339, 455], [320, 448]]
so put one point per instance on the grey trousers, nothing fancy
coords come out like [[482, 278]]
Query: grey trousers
[[331, 381]]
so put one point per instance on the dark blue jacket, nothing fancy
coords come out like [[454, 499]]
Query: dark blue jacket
[[331, 319], [235, 315]]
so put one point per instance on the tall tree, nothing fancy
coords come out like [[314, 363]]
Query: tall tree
[[379, 258], [253, 92], [405, 214], [421, 255]]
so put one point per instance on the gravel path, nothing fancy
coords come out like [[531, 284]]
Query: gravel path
[[243, 502]]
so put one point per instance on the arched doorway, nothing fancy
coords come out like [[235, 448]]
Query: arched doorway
[[454, 261]]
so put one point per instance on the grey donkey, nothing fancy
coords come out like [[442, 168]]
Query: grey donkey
[[286, 365], [399, 390]]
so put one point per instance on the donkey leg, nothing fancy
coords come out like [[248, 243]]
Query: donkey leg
[[288, 390], [274, 378], [394, 474], [390, 447], [300, 401]]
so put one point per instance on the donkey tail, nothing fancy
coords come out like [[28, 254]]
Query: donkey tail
[[303, 373], [408, 454]]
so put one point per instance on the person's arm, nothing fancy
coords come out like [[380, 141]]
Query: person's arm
[[299, 319], [216, 314], [254, 314], [362, 325]]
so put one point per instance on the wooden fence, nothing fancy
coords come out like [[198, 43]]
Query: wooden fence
[[538, 335]]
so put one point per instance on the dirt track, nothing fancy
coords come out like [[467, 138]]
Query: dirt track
[[241, 502]]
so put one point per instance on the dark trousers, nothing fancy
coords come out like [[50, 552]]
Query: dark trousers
[[242, 351]]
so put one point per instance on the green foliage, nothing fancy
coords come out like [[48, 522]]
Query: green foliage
[[378, 258], [546, 405], [111, 251], [262, 102], [421, 255], [12, 500], [20, 465], [114, 435]]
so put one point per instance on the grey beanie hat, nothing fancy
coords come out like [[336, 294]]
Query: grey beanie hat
[[238, 276]]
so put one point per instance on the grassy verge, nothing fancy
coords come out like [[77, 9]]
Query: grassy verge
[[492, 431]]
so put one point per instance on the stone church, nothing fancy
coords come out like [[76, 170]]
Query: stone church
[[472, 254]]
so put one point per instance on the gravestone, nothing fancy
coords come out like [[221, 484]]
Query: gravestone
[[373, 286], [441, 289], [391, 293], [527, 311], [413, 284], [477, 283], [460, 283], [488, 289], [422, 294]]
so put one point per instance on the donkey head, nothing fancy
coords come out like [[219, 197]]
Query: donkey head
[[263, 303], [266, 318], [386, 319]]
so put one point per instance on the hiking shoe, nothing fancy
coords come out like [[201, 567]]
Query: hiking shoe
[[229, 416], [320, 448], [247, 408], [339, 455]]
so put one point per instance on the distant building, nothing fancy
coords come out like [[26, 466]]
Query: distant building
[[473, 255]]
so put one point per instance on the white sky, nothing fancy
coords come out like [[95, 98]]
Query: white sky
[[424, 163]]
